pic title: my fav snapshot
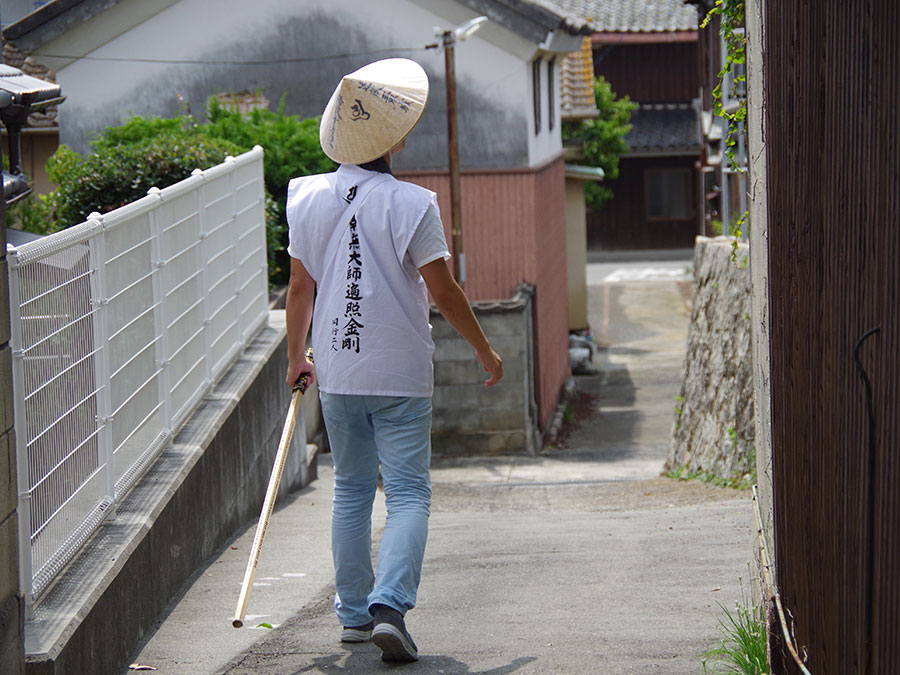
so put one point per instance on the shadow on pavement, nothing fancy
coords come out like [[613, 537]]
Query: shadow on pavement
[[362, 659]]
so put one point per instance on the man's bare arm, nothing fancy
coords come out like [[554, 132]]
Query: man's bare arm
[[454, 305], [298, 310]]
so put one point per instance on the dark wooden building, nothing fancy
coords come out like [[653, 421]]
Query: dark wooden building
[[649, 52]]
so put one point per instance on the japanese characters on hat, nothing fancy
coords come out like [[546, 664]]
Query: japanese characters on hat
[[372, 110]]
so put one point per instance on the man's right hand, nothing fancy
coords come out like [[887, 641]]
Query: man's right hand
[[492, 364], [296, 370]]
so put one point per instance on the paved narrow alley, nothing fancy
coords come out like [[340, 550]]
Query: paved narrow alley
[[580, 560]]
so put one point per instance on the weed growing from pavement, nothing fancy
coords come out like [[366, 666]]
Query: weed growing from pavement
[[737, 481], [678, 411], [742, 650]]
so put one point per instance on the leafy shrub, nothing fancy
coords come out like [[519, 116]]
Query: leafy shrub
[[119, 173], [129, 159], [603, 139], [291, 149]]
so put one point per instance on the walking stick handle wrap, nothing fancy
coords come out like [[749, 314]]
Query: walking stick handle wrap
[[302, 383]]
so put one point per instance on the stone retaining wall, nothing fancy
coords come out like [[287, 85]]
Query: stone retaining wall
[[714, 427]]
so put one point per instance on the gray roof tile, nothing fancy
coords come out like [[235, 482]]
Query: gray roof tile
[[633, 16], [664, 128]]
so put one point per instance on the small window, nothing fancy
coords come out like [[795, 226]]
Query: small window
[[668, 193], [536, 92], [551, 99]]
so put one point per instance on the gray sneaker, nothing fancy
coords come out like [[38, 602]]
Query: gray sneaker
[[357, 633], [391, 637]]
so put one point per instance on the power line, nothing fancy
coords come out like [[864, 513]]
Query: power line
[[224, 62]]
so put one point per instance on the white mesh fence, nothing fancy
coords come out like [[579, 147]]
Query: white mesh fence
[[118, 328]]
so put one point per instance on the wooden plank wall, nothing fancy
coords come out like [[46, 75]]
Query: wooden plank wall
[[650, 73], [514, 232], [832, 120], [622, 223]]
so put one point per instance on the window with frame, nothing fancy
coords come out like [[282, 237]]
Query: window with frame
[[668, 194], [536, 92], [551, 100]]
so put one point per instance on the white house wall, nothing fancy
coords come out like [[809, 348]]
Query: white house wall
[[301, 49], [546, 144]]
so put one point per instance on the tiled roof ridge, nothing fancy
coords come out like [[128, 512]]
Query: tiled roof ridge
[[634, 16], [576, 84]]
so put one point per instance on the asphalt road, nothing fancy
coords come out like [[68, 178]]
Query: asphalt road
[[580, 560]]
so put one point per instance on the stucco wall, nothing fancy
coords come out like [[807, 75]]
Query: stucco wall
[[576, 254], [300, 49], [759, 265]]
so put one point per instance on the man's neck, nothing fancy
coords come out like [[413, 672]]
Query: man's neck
[[380, 165]]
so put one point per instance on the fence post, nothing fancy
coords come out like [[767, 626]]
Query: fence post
[[159, 318], [235, 256], [204, 278], [100, 321], [26, 577]]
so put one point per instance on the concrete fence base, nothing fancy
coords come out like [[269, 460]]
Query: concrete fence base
[[210, 482], [470, 419]]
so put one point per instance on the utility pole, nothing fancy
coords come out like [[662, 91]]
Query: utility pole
[[448, 41], [459, 258]]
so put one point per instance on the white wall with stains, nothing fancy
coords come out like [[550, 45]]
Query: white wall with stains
[[146, 58]]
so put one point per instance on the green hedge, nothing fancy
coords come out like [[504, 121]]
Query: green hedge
[[129, 159], [116, 175]]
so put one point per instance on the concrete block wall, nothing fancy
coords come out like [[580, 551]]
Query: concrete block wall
[[11, 605], [470, 419]]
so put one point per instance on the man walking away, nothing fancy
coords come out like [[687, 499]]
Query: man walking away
[[365, 250]]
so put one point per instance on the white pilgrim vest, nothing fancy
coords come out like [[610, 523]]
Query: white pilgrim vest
[[370, 330]]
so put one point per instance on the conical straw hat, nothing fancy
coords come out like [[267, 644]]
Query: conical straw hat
[[372, 110]]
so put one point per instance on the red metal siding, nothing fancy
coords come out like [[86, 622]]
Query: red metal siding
[[514, 232], [551, 294]]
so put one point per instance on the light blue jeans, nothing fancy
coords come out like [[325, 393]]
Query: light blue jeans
[[363, 431]]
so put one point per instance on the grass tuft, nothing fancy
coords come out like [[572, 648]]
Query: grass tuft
[[737, 481], [742, 650]]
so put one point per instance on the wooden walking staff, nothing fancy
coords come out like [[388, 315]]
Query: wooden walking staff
[[284, 445]]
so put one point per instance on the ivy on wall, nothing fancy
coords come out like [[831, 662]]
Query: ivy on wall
[[734, 112]]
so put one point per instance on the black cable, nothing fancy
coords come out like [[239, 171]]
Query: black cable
[[870, 522], [213, 62]]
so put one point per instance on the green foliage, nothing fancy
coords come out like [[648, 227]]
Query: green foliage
[[291, 149], [737, 481], [603, 139], [678, 410], [34, 214], [731, 13], [137, 129], [129, 159], [119, 173], [742, 649]]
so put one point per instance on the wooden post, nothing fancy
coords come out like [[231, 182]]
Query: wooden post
[[459, 261]]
